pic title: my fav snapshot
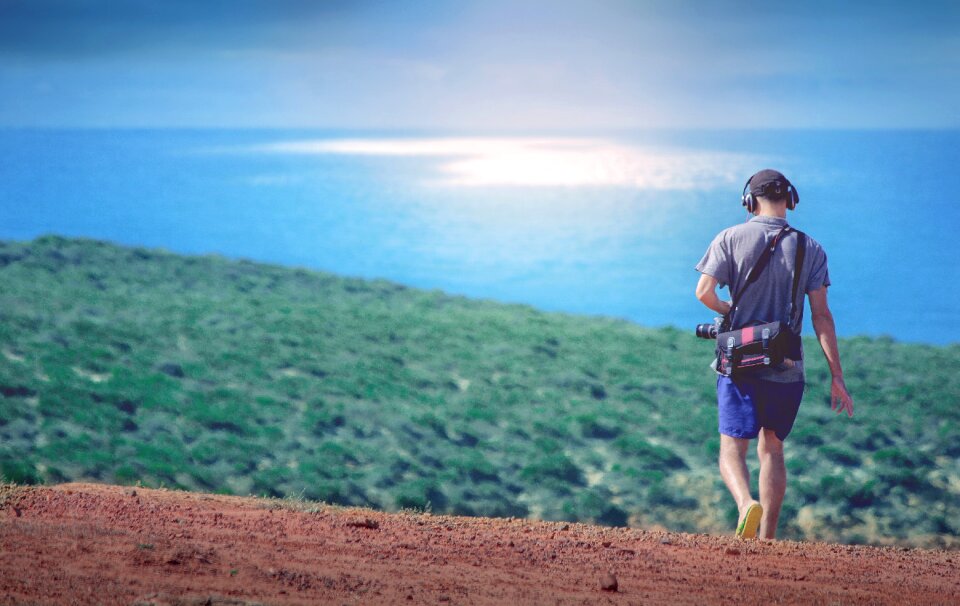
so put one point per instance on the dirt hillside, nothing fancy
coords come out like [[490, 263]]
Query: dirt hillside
[[93, 544]]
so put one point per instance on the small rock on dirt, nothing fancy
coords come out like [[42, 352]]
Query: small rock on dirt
[[608, 582], [733, 551]]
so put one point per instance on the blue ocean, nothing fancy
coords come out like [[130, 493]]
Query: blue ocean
[[605, 224]]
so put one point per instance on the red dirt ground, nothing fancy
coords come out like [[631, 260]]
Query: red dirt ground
[[89, 544]]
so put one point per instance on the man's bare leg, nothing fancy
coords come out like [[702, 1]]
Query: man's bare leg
[[773, 481], [733, 470]]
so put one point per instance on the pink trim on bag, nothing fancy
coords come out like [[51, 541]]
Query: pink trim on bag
[[746, 335]]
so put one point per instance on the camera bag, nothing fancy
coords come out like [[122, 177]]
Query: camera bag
[[761, 345]]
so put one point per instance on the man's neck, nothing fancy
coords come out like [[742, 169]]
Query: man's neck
[[778, 211]]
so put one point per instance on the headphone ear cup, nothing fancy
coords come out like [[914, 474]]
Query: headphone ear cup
[[746, 198], [794, 198]]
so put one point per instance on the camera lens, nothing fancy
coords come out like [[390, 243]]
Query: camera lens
[[707, 331]]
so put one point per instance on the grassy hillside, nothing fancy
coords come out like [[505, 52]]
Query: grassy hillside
[[132, 365]]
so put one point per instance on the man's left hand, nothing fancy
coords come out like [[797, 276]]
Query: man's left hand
[[840, 399]]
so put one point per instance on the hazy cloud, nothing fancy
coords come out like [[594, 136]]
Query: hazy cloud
[[479, 65]]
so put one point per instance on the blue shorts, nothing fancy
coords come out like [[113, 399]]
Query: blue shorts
[[745, 405]]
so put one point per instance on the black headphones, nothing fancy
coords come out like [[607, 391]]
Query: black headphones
[[778, 188]]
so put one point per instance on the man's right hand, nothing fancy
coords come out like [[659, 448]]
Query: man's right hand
[[840, 399]]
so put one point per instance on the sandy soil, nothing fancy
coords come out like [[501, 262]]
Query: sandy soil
[[87, 544]]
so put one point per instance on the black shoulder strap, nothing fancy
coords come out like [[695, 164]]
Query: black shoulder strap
[[797, 270], [754, 274]]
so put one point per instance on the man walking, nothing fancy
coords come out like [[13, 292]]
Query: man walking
[[763, 403]]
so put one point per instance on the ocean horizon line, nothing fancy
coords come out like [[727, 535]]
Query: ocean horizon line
[[484, 130]]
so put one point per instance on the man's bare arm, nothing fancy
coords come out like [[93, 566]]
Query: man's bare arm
[[823, 325], [707, 294]]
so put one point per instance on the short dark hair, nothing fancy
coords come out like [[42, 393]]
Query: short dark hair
[[770, 193]]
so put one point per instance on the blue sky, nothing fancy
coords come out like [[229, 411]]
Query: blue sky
[[477, 66]]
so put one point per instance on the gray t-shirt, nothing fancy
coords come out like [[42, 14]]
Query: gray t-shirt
[[736, 249]]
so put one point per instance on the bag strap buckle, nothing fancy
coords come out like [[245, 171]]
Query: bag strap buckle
[[765, 337]]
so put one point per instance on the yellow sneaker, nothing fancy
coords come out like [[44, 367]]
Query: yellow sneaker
[[750, 524]]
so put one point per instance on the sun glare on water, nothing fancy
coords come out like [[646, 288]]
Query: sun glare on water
[[544, 162]]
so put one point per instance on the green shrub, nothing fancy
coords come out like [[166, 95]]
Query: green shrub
[[648, 455], [475, 466], [17, 471], [863, 495], [590, 505], [591, 427], [422, 495], [712, 448], [660, 494], [798, 464], [841, 456], [554, 465], [909, 458]]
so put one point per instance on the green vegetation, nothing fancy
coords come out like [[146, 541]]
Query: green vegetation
[[131, 365]]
